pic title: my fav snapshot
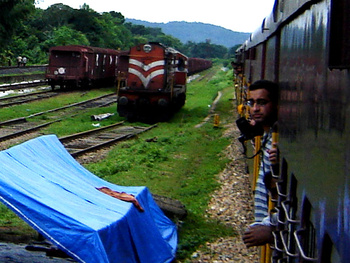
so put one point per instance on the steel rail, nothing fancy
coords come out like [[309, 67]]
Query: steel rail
[[85, 133], [24, 119], [19, 133], [105, 143]]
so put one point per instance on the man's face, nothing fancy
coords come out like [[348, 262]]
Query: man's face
[[262, 110]]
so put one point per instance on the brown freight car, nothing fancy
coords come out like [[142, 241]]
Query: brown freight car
[[79, 66], [196, 65]]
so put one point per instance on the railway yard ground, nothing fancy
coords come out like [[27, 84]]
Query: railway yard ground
[[200, 165]]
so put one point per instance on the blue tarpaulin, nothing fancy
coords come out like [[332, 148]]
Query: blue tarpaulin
[[46, 187]]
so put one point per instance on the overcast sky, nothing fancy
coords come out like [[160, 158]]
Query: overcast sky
[[237, 15]]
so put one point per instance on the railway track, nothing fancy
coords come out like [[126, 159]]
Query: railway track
[[14, 78], [84, 142], [15, 69], [17, 127], [26, 98], [22, 85]]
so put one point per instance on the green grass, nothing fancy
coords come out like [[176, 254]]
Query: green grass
[[83, 122], [26, 109], [23, 73], [181, 162]]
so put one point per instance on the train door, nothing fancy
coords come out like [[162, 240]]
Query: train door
[[99, 65]]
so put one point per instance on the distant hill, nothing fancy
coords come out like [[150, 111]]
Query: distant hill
[[197, 32]]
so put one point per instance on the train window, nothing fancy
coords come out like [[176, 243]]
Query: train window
[[76, 54], [251, 53], [329, 253], [275, 11], [308, 236], [263, 28], [339, 41], [96, 60], [246, 54], [282, 183], [181, 64]]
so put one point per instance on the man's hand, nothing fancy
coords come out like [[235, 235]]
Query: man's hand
[[258, 235], [273, 154]]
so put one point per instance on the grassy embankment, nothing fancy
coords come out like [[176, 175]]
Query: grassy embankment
[[181, 163]]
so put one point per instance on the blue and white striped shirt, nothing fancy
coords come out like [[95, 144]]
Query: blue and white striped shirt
[[261, 193]]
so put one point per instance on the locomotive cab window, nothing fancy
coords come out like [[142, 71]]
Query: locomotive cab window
[[339, 41], [181, 64]]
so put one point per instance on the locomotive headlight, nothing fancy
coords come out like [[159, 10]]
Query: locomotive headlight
[[147, 48], [123, 100]]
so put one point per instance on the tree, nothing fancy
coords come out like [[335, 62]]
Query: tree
[[138, 39], [118, 16], [114, 35], [169, 41], [86, 21], [205, 50], [12, 13], [65, 35], [55, 16], [232, 51]]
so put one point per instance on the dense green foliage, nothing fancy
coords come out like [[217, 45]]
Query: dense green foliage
[[29, 31]]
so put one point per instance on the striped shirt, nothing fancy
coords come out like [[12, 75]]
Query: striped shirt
[[261, 193]]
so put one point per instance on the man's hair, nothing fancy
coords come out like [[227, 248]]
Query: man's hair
[[270, 86]]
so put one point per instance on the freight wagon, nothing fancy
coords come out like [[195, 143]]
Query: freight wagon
[[81, 66]]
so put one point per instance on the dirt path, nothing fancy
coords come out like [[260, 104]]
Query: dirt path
[[231, 204]]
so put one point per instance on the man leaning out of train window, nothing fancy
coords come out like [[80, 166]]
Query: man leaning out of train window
[[263, 102]]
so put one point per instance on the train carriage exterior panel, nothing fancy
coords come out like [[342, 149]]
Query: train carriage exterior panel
[[307, 53], [270, 64], [253, 61], [76, 65]]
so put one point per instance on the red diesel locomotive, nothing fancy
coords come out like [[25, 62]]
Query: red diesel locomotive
[[78, 66], [155, 83]]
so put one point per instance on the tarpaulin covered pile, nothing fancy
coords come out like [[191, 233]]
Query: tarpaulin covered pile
[[45, 186]]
